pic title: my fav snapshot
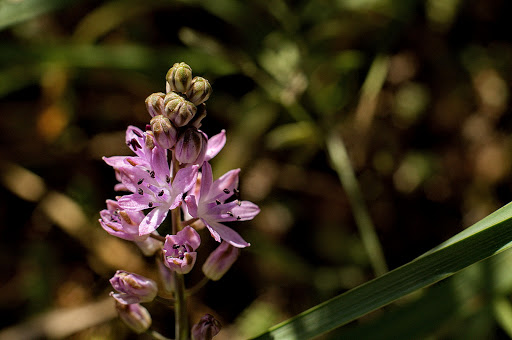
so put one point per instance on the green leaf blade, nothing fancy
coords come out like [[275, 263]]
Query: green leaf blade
[[484, 239]]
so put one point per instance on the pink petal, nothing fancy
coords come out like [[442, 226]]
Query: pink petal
[[185, 179], [206, 181], [153, 220], [215, 144], [134, 202], [227, 181], [191, 205], [227, 234], [159, 162]]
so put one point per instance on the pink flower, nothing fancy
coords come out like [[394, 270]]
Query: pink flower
[[211, 206], [179, 250], [148, 177]]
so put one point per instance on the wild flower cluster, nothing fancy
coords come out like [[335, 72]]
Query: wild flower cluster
[[170, 178]]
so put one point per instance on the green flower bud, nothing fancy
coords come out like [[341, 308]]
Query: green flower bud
[[200, 114], [199, 91], [179, 77], [155, 104], [179, 110], [163, 130]]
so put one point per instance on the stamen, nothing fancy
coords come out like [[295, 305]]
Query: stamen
[[135, 144], [140, 181], [137, 133], [226, 191], [125, 217], [152, 174], [150, 204], [140, 191], [161, 193]]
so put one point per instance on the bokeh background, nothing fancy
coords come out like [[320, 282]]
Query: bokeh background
[[415, 92]]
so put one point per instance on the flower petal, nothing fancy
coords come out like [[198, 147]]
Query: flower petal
[[244, 210], [223, 188], [206, 181], [215, 144], [153, 220], [183, 182], [227, 234], [191, 205], [159, 162], [135, 202]]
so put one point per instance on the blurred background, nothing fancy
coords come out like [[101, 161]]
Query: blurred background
[[367, 131]]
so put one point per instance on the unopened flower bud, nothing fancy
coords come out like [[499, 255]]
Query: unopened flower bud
[[134, 316], [199, 91], [132, 288], [167, 286], [155, 104], [206, 328], [200, 114], [163, 130], [149, 140], [179, 77], [191, 147], [149, 246], [179, 110], [220, 260]]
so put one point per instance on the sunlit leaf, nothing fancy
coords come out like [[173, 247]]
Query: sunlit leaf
[[486, 238]]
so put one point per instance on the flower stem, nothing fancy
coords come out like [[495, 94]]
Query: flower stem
[[180, 303], [180, 308]]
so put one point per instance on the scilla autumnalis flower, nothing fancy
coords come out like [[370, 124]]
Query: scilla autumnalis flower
[[167, 184], [211, 206]]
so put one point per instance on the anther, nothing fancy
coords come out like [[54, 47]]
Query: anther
[[137, 133], [237, 192], [152, 174], [161, 193], [175, 246], [140, 181], [140, 191], [230, 213], [226, 191], [168, 179], [217, 201], [238, 202], [238, 218], [150, 204], [135, 144]]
